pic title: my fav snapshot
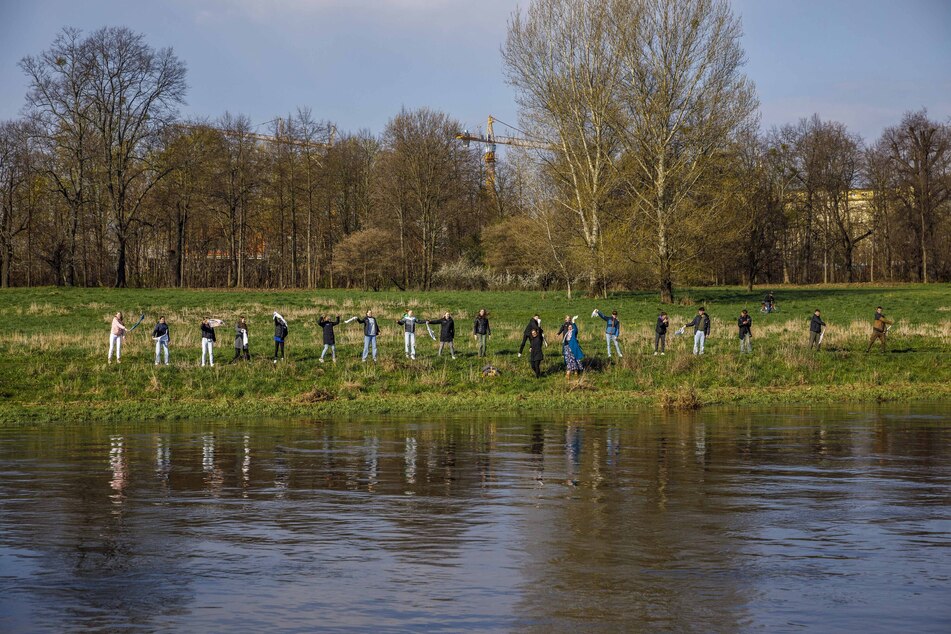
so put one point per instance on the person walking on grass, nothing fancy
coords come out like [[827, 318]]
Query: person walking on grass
[[161, 338], [408, 322], [481, 330], [816, 328], [241, 340], [207, 343], [280, 334], [745, 323], [116, 335], [701, 330], [535, 323], [447, 333], [536, 354], [612, 330], [570, 348], [371, 330], [879, 328], [660, 333], [330, 340]]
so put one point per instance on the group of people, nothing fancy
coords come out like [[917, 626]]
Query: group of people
[[533, 335]]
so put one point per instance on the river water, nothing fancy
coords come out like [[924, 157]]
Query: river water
[[778, 520]]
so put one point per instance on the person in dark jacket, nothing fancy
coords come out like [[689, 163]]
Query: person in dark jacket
[[535, 323], [160, 335], [408, 322], [371, 330], [330, 341], [280, 334], [660, 333], [207, 343], [745, 324], [536, 355], [816, 328], [241, 340], [447, 333], [879, 328], [701, 329], [481, 330], [612, 330]]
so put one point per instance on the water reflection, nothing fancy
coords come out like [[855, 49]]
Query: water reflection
[[727, 521]]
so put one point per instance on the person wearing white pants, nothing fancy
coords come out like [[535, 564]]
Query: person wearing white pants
[[207, 343], [701, 330], [160, 335], [115, 338]]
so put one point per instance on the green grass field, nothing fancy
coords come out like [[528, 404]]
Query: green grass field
[[53, 346]]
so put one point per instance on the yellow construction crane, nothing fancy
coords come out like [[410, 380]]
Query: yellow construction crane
[[489, 140]]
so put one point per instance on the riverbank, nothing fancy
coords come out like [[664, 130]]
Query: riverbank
[[53, 347]]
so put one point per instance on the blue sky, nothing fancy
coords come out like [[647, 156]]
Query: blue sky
[[357, 62]]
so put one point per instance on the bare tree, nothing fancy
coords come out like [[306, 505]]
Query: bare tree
[[564, 65], [921, 152], [683, 96]]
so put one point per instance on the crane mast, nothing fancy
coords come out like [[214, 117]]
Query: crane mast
[[490, 141]]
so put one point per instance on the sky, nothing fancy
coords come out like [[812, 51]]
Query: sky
[[358, 62]]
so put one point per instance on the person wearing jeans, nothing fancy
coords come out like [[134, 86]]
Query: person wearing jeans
[[371, 330], [701, 330], [612, 331], [408, 322], [207, 343], [160, 335], [115, 338]]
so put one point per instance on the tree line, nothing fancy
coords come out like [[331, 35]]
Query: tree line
[[647, 167]]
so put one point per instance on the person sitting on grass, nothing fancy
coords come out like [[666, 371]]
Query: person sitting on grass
[[116, 335], [161, 338], [447, 333], [241, 340], [879, 328], [571, 349], [536, 354], [745, 324], [701, 329], [330, 341], [816, 328]]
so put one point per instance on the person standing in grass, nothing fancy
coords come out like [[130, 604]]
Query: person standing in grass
[[816, 327], [207, 343], [447, 333], [536, 355], [660, 333], [371, 330], [241, 340], [570, 348], [612, 330], [879, 328], [408, 322], [330, 340], [116, 335], [481, 330], [701, 329], [535, 323], [160, 335], [280, 334], [745, 324]]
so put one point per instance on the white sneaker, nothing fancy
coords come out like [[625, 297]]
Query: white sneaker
[[413, 357], [453, 356], [655, 354], [663, 353], [321, 359]]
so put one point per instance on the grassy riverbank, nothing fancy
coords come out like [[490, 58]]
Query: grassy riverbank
[[53, 354]]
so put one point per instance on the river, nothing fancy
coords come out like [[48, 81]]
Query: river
[[833, 519]]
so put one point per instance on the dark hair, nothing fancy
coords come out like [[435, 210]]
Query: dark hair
[[614, 312], [701, 310], [663, 314], [744, 312], [878, 308], [817, 311]]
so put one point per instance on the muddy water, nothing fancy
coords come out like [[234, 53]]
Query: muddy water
[[828, 519]]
